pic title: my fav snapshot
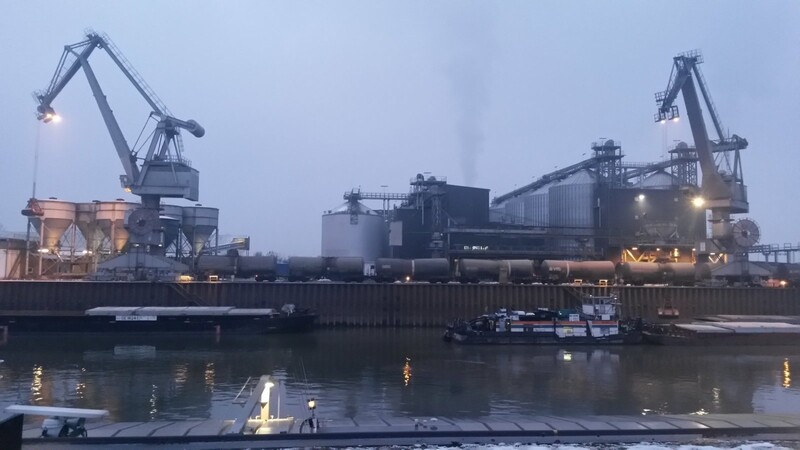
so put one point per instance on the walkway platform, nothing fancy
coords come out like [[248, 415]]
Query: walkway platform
[[386, 431]]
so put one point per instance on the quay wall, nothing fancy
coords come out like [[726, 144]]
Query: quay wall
[[357, 304]]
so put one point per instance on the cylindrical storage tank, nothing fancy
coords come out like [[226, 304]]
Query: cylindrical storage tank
[[346, 268], [216, 265], [199, 223], [640, 273], [56, 217], [475, 270], [353, 230], [111, 220], [391, 269], [556, 271], [171, 221], [435, 270], [304, 268], [86, 221], [679, 274], [519, 270], [260, 267], [594, 271], [571, 204]]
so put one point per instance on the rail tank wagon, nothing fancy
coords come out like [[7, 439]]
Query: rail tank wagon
[[206, 265], [476, 270], [305, 268], [639, 273], [519, 270], [558, 271], [434, 270], [346, 268], [392, 269], [261, 267], [680, 274]]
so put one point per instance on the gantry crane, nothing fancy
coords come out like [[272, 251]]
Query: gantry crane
[[723, 189], [163, 171]]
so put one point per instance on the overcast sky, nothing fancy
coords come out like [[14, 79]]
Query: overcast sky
[[302, 101]]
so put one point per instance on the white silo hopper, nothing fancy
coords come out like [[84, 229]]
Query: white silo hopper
[[86, 220], [171, 220], [352, 229], [56, 216], [111, 221], [199, 223]]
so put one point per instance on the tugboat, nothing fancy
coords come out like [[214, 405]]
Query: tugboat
[[596, 322]]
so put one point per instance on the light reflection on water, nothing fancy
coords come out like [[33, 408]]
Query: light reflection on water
[[394, 372]]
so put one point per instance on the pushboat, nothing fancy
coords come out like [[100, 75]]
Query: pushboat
[[596, 322]]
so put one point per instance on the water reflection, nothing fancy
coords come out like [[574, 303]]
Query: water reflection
[[407, 372], [355, 372], [787, 374]]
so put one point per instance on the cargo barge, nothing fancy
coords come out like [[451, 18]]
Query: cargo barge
[[739, 330], [157, 319]]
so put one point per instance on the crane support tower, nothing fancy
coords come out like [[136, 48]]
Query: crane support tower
[[723, 189], [163, 172]]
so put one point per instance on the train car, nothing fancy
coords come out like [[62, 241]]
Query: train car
[[214, 265], [388, 270], [519, 270], [477, 270], [345, 268], [306, 268], [639, 273], [560, 271], [432, 270], [262, 268]]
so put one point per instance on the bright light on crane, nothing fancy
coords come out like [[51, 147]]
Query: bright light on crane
[[698, 202]]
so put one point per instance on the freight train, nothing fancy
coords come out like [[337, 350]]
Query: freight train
[[441, 270]]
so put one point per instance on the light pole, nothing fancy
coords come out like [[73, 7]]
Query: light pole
[[33, 196]]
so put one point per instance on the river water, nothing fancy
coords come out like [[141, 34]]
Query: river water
[[391, 372]]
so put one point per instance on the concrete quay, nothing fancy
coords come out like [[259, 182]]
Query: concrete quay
[[407, 431]]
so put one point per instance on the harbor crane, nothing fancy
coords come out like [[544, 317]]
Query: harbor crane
[[163, 171], [723, 189]]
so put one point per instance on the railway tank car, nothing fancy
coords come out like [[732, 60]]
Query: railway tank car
[[559, 271], [639, 273], [477, 270]]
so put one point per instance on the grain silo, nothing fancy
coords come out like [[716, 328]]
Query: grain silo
[[352, 229], [199, 223], [111, 221], [52, 219]]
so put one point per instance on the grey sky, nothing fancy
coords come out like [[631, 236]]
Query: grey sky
[[304, 100]]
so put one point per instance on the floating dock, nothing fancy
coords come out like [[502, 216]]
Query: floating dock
[[383, 431]]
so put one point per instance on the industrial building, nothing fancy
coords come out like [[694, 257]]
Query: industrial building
[[599, 208]]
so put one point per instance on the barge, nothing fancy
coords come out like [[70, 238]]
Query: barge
[[739, 332], [596, 322], [162, 319]]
